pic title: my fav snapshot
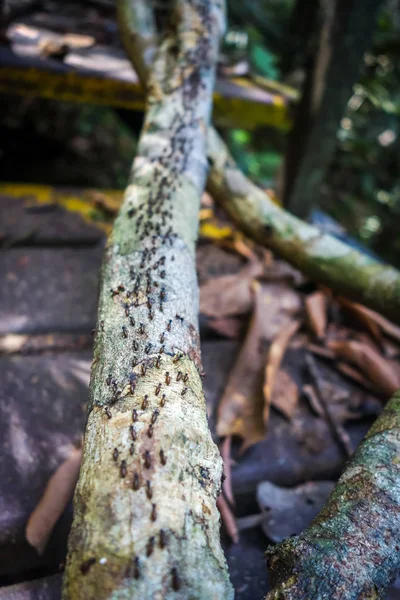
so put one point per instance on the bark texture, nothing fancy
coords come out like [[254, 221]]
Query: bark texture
[[145, 519], [321, 256], [351, 549]]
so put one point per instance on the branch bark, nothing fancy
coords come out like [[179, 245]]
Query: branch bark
[[145, 518], [320, 256], [351, 549]]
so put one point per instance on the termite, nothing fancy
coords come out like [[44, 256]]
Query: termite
[[148, 348], [108, 412], [115, 454], [162, 401], [132, 450], [150, 431], [181, 319], [133, 433], [149, 491], [124, 331], [85, 566], [186, 378], [153, 515], [144, 369], [136, 568], [123, 468], [158, 389], [163, 539], [147, 459], [145, 402], [121, 287], [158, 361], [167, 378], [163, 458], [135, 345], [176, 581], [162, 338], [183, 392], [134, 415], [179, 376], [154, 416], [136, 482], [109, 379], [169, 325], [177, 358], [150, 546], [132, 321], [141, 329]]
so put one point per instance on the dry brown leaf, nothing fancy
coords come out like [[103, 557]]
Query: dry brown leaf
[[355, 375], [285, 395], [228, 519], [383, 373], [316, 309], [365, 314], [229, 295], [241, 408], [52, 504], [228, 327], [275, 355], [321, 351], [357, 312]]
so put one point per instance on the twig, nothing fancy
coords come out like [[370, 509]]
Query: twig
[[337, 429]]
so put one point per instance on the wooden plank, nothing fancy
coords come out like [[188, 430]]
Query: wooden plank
[[103, 75]]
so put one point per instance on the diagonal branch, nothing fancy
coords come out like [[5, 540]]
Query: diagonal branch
[[351, 549], [145, 518], [321, 256]]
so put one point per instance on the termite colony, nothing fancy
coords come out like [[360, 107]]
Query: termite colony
[[145, 298]]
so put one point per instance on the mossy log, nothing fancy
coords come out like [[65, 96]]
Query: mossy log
[[351, 550], [146, 524]]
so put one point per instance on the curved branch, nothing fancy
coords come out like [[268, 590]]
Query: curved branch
[[145, 518], [321, 256], [351, 549]]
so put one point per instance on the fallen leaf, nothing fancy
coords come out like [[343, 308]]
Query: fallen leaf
[[229, 295], [76, 40], [241, 408], [383, 374], [321, 351], [228, 327], [275, 355], [362, 312], [309, 392], [52, 504], [354, 375], [285, 395], [288, 511], [357, 312], [316, 308]]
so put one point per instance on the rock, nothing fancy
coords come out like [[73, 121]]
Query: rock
[[28, 224], [42, 414], [49, 289]]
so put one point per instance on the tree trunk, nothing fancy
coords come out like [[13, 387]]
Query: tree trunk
[[346, 34], [351, 549], [145, 518]]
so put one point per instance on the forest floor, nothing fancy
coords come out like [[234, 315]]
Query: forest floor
[[294, 378]]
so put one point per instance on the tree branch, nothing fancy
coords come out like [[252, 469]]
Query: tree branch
[[322, 257], [351, 549], [145, 518]]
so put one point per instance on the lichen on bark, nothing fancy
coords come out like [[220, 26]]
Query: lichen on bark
[[145, 518], [351, 550]]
